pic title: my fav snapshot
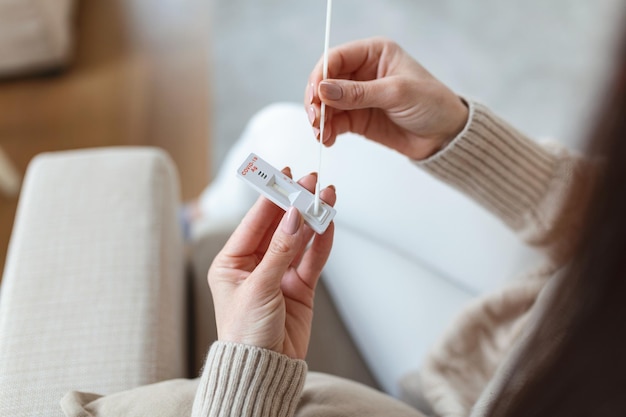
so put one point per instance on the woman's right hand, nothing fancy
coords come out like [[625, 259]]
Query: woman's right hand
[[375, 89]]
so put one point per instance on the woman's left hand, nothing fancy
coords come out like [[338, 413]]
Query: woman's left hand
[[263, 281]]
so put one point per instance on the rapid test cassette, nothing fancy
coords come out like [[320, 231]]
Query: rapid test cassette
[[285, 192]]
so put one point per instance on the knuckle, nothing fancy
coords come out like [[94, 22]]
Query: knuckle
[[399, 91], [357, 93], [383, 40], [279, 247], [212, 278], [399, 87], [384, 43]]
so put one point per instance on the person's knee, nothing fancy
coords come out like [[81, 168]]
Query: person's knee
[[277, 118], [277, 112], [280, 133]]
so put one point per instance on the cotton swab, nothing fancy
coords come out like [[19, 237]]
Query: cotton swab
[[329, 7]]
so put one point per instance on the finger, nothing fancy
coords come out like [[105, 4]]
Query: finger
[[310, 93], [374, 125], [358, 60], [260, 221], [329, 196], [354, 60], [315, 117], [349, 95], [315, 257], [357, 121], [308, 182], [282, 250], [308, 236], [328, 134], [341, 122], [316, 76], [314, 113]]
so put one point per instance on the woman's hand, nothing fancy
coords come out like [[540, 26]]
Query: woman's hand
[[375, 89], [263, 281]]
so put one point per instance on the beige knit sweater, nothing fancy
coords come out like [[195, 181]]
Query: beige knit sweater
[[526, 185]]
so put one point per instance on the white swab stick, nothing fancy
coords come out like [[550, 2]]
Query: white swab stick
[[329, 7]]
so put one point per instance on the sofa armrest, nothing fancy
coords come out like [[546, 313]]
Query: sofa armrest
[[203, 248], [92, 297]]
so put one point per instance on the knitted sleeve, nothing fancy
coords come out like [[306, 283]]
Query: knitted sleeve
[[541, 192], [246, 381], [527, 185]]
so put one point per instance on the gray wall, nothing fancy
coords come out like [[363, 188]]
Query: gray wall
[[538, 63]]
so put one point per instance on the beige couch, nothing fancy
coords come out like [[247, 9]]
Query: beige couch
[[35, 35], [101, 294]]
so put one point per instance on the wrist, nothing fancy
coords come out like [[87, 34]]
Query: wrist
[[458, 116], [457, 119]]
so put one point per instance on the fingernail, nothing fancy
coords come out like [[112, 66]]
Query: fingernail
[[326, 134], [316, 132], [331, 91], [292, 222], [311, 114], [333, 187], [311, 93]]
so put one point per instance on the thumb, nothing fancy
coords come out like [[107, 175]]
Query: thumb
[[283, 248], [353, 95]]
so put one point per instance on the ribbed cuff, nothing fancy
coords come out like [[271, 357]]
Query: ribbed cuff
[[245, 381], [495, 164]]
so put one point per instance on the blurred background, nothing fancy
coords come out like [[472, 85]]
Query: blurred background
[[186, 75], [91, 73]]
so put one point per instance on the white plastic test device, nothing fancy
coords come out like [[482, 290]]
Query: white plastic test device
[[285, 192]]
